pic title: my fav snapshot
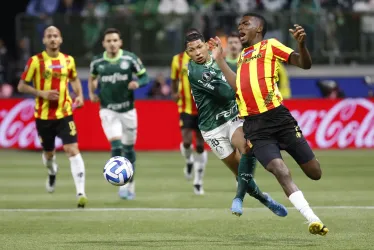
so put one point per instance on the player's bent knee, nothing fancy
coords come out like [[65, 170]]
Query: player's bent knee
[[313, 169], [71, 149], [199, 148], [278, 168]]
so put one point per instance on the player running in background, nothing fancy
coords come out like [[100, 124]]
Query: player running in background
[[112, 73], [220, 124], [234, 47], [269, 126], [50, 72], [188, 121]]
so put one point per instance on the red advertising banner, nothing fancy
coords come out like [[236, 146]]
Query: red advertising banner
[[347, 123]]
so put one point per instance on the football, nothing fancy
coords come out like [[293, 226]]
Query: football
[[118, 171]]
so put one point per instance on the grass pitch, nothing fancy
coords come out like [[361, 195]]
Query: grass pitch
[[167, 215]]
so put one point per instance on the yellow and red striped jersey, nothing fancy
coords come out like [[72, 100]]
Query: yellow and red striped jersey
[[257, 77], [47, 73], [179, 70]]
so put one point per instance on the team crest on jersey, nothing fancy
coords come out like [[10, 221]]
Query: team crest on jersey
[[47, 74], [124, 65], [207, 76]]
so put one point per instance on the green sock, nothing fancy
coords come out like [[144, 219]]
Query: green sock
[[253, 190], [243, 177], [116, 148], [129, 153]]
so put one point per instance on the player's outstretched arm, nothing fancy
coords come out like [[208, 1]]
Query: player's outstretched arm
[[215, 44], [302, 59], [92, 85]]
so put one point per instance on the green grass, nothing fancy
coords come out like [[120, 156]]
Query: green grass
[[347, 181]]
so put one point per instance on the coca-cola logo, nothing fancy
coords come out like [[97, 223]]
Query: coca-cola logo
[[17, 126], [349, 123]]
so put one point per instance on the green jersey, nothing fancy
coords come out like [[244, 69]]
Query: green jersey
[[214, 98], [232, 63], [114, 76]]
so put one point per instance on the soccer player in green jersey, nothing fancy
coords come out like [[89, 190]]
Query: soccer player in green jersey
[[234, 48], [219, 122], [112, 72]]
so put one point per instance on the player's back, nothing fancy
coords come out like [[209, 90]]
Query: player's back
[[214, 97]]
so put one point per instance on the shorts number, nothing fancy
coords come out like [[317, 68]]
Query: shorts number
[[73, 129], [214, 143]]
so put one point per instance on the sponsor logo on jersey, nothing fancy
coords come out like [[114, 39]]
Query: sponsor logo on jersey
[[118, 106], [116, 77], [248, 52], [227, 113], [124, 65], [55, 66]]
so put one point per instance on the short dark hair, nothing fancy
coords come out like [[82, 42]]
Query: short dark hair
[[112, 31], [193, 37], [234, 34], [192, 31], [262, 19]]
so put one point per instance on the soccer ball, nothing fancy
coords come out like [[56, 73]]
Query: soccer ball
[[118, 171]]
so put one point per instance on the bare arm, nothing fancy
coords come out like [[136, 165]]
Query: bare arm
[[174, 89], [77, 88], [92, 86], [217, 51], [302, 59], [51, 95]]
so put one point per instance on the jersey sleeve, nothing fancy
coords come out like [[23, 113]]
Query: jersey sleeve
[[137, 65], [174, 68], [93, 69], [73, 70], [29, 71], [281, 51]]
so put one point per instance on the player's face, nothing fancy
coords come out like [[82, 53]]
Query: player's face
[[52, 39], [249, 27], [198, 51], [112, 43], [234, 45]]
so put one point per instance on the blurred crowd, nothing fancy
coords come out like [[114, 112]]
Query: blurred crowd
[[333, 27]]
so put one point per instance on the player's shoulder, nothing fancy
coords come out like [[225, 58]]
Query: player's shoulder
[[127, 53], [273, 41], [97, 58]]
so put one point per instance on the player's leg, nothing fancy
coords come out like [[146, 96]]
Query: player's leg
[[129, 121], [187, 128], [112, 127], [47, 134], [67, 131], [201, 159], [246, 181]]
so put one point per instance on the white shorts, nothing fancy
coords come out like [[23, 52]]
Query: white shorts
[[219, 139], [120, 125]]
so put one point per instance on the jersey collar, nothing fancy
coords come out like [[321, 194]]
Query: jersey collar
[[106, 58]]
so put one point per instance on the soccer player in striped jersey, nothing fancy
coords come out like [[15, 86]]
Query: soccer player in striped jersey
[[112, 72], [50, 72], [220, 124], [188, 121], [269, 126]]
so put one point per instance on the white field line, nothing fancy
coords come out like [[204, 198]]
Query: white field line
[[163, 209]]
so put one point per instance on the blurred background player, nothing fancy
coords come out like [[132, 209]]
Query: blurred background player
[[269, 126], [220, 124], [234, 47], [50, 72], [112, 73], [188, 120]]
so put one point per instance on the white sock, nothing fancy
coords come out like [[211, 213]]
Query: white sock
[[199, 167], [78, 172], [187, 153], [299, 202], [51, 164]]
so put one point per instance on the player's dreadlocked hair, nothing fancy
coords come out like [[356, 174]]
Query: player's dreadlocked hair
[[193, 37], [262, 19]]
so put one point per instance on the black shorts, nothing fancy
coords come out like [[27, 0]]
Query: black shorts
[[189, 121], [273, 131], [63, 128]]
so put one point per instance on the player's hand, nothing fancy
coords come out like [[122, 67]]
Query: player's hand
[[94, 98], [51, 95], [78, 102], [175, 97], [133, 85], [215, 45], [298, 34]]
